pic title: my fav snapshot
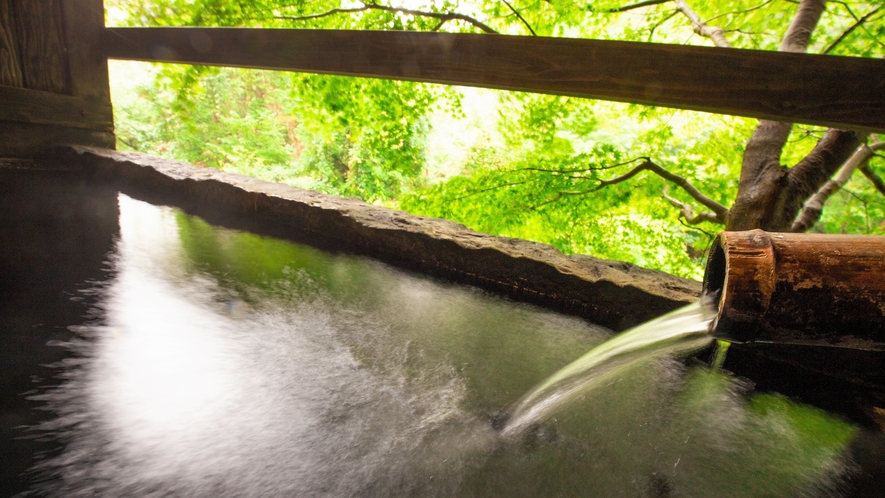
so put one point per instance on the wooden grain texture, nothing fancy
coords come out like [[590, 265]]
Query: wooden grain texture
[[65, 99], [32, 106], [28, 140], [84, 24], [824, 90], [10, 67], [801, 289], [42, 45]]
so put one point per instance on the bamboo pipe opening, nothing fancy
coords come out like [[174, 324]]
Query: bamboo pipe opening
[[804, 289]]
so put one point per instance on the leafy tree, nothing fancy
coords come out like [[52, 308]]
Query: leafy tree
[[700, 162], [355, 136], [565, 177]]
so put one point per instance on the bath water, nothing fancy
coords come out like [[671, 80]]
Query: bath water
[[221, 363], [676, 334]]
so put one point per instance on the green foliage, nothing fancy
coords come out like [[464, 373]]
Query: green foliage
[[367, 135], [544, 187], [858, 207], [536, 176], [349, 136], [235, 108]]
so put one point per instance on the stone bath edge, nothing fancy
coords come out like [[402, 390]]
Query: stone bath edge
[[614, 294]]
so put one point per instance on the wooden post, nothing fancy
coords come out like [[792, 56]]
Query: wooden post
[[10, 66], [53, 76]]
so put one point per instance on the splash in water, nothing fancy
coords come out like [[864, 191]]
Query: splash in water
[[678, 333]]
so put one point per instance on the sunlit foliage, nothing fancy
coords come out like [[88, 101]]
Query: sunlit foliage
[[538, 178]]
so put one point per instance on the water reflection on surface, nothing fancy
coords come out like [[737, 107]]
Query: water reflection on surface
[[227, 364]]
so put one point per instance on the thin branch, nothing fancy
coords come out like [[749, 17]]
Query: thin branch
[[324, 14], [655, 26], [748, 9], [527, 25], [442, 16], [714, 33], [847, 9], [632, 6], [814, 206], [699, 229], [872, 177], [583, 170], [721, 212], [559, 195], [848, 31], [863, 26], [687, 212], [868, 171]]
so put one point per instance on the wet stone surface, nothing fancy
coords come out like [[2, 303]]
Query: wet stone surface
[[614, 294]]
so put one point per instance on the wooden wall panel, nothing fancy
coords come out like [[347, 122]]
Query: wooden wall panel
[[25, 139], [42, 45], [32, 106], [54, 77], [10, 66]]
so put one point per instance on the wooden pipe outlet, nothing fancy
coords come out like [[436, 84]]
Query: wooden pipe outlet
[[803, 289]]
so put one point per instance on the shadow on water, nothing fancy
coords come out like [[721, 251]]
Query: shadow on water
[[55, 234], [221, 363]]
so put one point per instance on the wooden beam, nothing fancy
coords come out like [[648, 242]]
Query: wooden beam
[[28, 140], [31, 106], [842, 92], [84, 25]]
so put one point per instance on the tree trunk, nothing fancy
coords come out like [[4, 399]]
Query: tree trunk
[[770, 195]]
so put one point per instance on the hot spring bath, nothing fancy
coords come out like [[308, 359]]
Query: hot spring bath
[[215, 362]]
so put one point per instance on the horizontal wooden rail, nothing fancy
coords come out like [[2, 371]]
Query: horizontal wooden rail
[[32, 106], [843, 92]]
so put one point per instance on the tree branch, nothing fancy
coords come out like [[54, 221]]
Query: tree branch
[[827, 156], [581, 170], [848, 31], [324, 14], [749, 9], [688, 213], [527, 25], [814, 206], [868, 171], [811, 173], [799, 33], [714, 33], [873, 177], [489, 189], [721, 212], [651, 32], [632, 6], [443, 17]]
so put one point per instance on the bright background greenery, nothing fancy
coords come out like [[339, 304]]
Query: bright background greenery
[[513, 164]]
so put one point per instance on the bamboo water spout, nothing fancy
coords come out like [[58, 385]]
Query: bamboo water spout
[[799, 289]]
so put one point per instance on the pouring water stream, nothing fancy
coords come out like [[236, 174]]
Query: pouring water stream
[[677, 333]]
